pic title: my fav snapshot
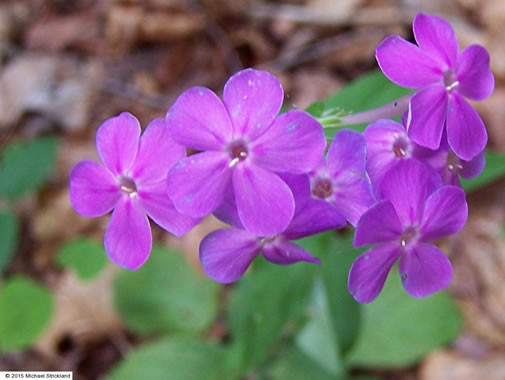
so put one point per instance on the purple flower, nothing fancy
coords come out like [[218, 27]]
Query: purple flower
[[226, 254], [340, 181], [244, 145], [132, 182], [415, 210], [444, 77]]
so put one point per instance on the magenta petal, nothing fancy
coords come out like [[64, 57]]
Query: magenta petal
[[160, 208], [465, 130], [473, 167], [406, 64], [369, 271], [93, 189], [476, 81], [198, 119], [354, 199], [197, 183], [445, 213], [379, 224], [253, 99], [117, 142], [407, 186], [427, 113], [346, 159], [317, 216], [265, 203], [227, 212], [226, 254], [283, 252], [436, 37], [299, 184], [294, 144], [425, 270], [157, 153], [128, 236]]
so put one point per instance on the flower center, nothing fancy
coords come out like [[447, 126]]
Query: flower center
[[453, 162], [401, 147], [238, 152], [323, 188], [409, 236], [450, 81], [128, 186]]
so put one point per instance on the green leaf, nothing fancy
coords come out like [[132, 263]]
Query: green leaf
[[9, 234], [25, 310], [266, 302], [495, 168], [178, 358], [166, 295], [85, 256], [398, 330], [295, 365], [25, 166]]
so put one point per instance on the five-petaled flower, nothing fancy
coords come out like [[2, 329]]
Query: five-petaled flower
[[132, 182]]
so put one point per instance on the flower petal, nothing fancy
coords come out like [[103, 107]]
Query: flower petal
[[407, 186], [283, 252], [354, 199], [317, 216], [427, 114], [198, 119], [117, 142], [128, 237], [253, 99], [299, 185], [369, 271], [294, 143], [265, 203], [379, 224], [346, 160], [425, 270], [473, 167], [93, 189], [436, 37], [227, 212], [465, 130], [476, 81], [159, 207], [406, 64], [157, 153], [445, 213], [197, 183], [226, 254]]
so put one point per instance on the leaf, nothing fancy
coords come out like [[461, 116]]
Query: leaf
[[178, 357], [495, 168], [166, 295], [293, 364], [266, 301], [85, 256], [25, 310], [9, 235], [398, 330], [25, 166]]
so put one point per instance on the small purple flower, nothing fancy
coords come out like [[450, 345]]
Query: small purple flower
[[415, 210], [245, 145], [444, 77], [132, 182], [340, 181], [226, 254]]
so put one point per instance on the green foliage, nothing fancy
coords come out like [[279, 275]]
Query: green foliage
[[178, 357], [25, 310], [295, 365], [166, 295], [397, 330], [495, 168], [86, 257], [9, 234], [25, 166]]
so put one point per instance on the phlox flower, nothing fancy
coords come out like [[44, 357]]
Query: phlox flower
[[131, 182], [244, 146], [444, 77], [415, 209], [340, 180]]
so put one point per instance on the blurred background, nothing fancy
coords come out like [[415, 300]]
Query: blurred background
[[66, 66]]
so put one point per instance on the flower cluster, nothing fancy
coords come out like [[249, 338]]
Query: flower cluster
[[267, 176]]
